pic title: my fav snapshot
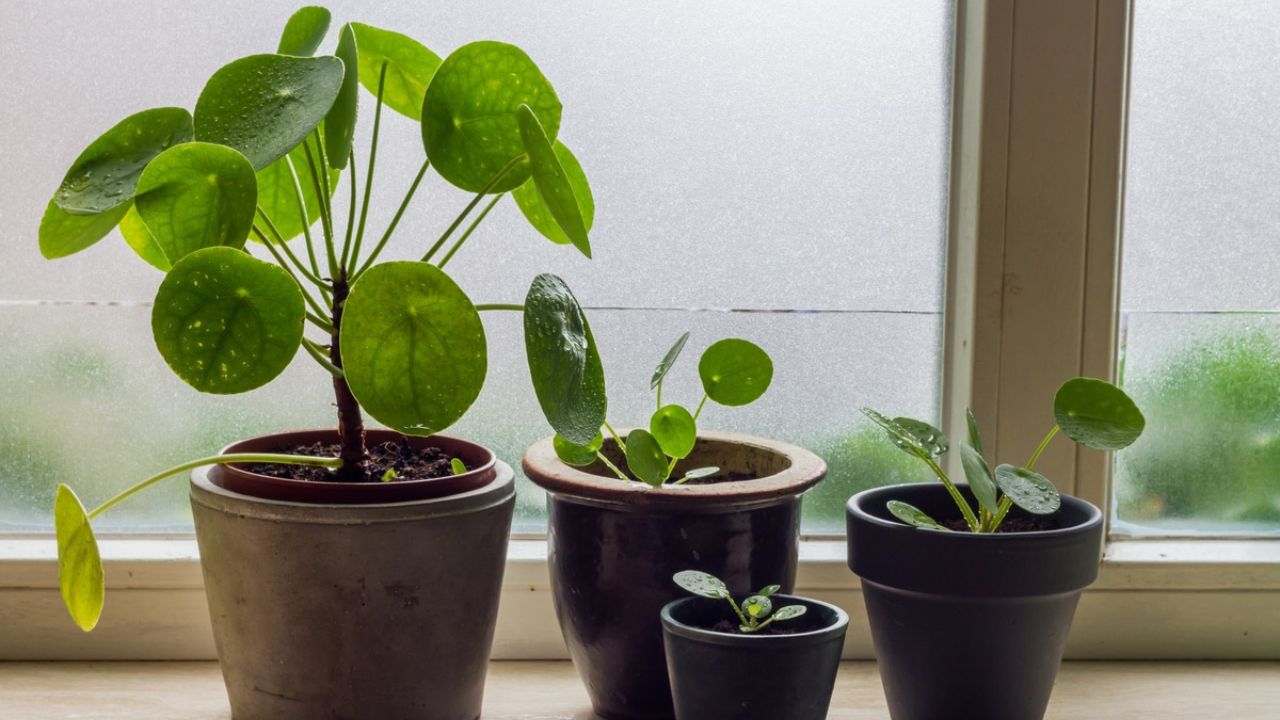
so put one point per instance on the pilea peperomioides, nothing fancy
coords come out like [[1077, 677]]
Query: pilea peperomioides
[[257, 165], [754, 614]]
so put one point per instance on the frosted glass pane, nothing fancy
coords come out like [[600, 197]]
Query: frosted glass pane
[[1202, 220]]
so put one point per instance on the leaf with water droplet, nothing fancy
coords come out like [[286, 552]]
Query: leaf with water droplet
[[1028, 489], [1097, 414], [304, 31], [702, 584], [914, 516], [564, 362], [197, 195]]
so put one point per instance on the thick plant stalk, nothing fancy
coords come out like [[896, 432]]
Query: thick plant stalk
[[350, 421]]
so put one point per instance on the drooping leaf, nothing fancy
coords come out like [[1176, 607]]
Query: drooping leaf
[[789, 612], [645, 459], [457, 466], [698, 473], [1097, 414], [757, 607], [735, 372], [975, 437], [577, 455], [469, 124], [62, 234], [197, 195], [660, 372], [304, 32], [900, 436], [978, 473], [768, 590], [226, 322], [1028, 489], [927, 436], [264, 105], [410, 67], [552, 182], [675, 430], [535, 210], [139, 238], [340, 123], [413, 347], [278, 199], [79, 562], [564, 362], [913, 516], [701, 584], [105, 175]]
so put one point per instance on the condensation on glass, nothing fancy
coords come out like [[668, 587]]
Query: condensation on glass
[[788, 157], [1200, 299]]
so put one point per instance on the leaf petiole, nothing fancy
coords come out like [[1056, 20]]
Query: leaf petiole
[[471, 205]]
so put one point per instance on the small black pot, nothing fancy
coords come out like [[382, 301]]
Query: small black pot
[[722, 676], [965, 624]]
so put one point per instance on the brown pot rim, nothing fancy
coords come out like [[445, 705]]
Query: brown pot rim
[[546, 470]]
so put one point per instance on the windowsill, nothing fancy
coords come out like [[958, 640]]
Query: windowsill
[[550, 690]]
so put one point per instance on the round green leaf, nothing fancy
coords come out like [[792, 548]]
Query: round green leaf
[[340, 123], [768, 590], [79, 563], [551, 181], [757, 607], [1097, 414], [277, 197], [703, 584], [227, 322], [913, 516], [660, 372], [926, 436], [62, 234], [978, 474], [264, 105], [645, 458], [105, 174], [197, 195], [305, 31], [457, 466], [469, 124], [1028, 489], [535, 210], [735, 372], [577, 455], [564, 362], [139, 238], [410, 67], [675, 430], [789, 612], [413, 347]]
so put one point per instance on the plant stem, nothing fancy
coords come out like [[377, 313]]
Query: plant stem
[[1005, 505], [355, 457], [621, 445], [377, 250], [328, 194], [326, 210], [368, 176], [271, 226], [306, 218], [214, 460], [471, 205], [320, 322], [317, 353], [472, 228], [609, 464], [500, 306], [1043, 444], [701, 404], [306, 296], [737, 611], [351, 209], [969, 518]]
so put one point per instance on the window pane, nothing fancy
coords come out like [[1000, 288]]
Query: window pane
[[762, 156], [1201, 305]]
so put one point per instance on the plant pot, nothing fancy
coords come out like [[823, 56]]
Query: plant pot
[[965, 624], [721, 676], [366, 610], [613, 546]]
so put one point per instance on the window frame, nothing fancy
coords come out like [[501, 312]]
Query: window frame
[[1038, 132]]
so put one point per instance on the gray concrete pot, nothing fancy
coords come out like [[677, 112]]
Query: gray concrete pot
[[360, 611]]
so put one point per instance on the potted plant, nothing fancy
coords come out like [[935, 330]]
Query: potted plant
[[772, 656], [324, 551], [626, 514], [970, 590]]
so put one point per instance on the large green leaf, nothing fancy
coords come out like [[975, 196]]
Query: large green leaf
[[1097, 414], [79, 563], [413, 347], [105, 174], [410, 67], [264, 105], [903, 438], [564, 362], [227, 322], [139, 238], [675, 430], [469, 124], [552, 182], [278, 200], [305, 31], [927, 436], [645, 458], [535, 209], [577, 455], [978, 473], [197, 195], [660, 372], [340, 123], [700, 583], [62, 234], [735, 372], [1028, 489]]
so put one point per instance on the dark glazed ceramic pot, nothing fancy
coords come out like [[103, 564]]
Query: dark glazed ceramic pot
[[720, 676], [331, 610], [613, 546], [964, 620]]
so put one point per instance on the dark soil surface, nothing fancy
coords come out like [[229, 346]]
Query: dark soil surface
[[408, 462], [731, 628], [1011, 524]]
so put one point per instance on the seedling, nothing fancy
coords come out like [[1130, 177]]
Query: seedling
[[754, 614], [260, 159], [1091, 412], [734, 372]]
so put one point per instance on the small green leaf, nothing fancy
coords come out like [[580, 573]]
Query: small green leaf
[[139, 238], [197, 195], [304, 32], [413, 347], [63, 234], [340, 123], [735, 372], [900, 436], [552, 180], [79, 563], [389, 475], [469, 124], [697, 474], [789, 612], [264, 105], [927, 436], [226, 322], [702, 584], [535, 210], [564, 362], [675, 430], [457, 466], [978, 474], [410, 67], [1097, 414], [768, 590], [278, 199], [975, 437], [660, 372], [1028, 489], [645, 458], [757, 607], [914, 516], [577, 455], [106, 173]]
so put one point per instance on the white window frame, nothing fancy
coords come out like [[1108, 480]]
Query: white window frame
[[1037, 175]]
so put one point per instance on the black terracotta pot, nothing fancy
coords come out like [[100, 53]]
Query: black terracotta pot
[[613, 546], [969, 625], [721, 676]]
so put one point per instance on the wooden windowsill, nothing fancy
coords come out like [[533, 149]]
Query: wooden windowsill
[[550, 691]]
